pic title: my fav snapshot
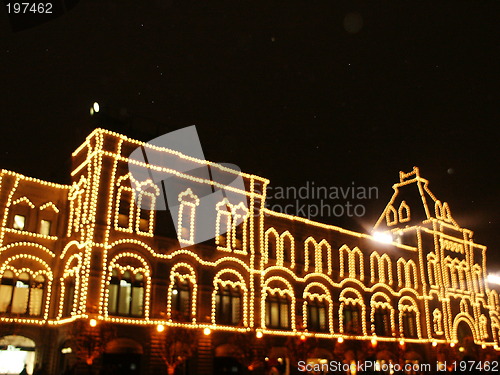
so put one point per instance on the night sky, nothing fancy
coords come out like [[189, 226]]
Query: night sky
[[333, 92]]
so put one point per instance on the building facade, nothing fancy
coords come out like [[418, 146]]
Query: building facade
[[95, 277]]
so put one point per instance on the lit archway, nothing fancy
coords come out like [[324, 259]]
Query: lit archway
[[15, 353]]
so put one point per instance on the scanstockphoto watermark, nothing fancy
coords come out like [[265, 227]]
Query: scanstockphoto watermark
[[370, 366], [311, 200]]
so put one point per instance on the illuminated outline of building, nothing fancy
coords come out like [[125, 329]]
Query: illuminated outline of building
[[427, 286]]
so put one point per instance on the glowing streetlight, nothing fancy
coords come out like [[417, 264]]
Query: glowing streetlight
[[93, 322], [207, 331], [160, 328], [259, 334]]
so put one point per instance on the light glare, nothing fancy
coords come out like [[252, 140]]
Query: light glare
[[383, 237]]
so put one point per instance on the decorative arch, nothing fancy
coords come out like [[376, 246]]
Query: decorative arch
[[229, 284], [25, 282], [352, 311], [271, 243], [129, 280], [70, 284], [310, 255], [409, 318], [382, 315], [464, 318], [407, 273], [278, 302], [182, 293], [381, 268], [317, 308], [324, 255], [286, 249], [354, 260]]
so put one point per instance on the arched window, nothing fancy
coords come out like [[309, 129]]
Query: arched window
[[69, 297], [409, 320], [278, 311], [239, 224], [36, 295], [287, 247], [20, 212], [317, 315], [325, 256], [181, 300], [382, 321], [351, 318], [391, 216], [124, 217], [22, 295], [271, 243], [223, 225], [228, 306], [126, 293], [187, 217], [404, 212], [6, 290], [311, 261], [77, 212], [146, 202]]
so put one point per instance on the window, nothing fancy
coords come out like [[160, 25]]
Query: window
[[19, 222], [181, 301], [382, 322], [228, 305], [277, 311], [22, 295], [352, 319], [45, 227], [125, 207], [69, 297], [6, 289], [409, 324], [316, 316], [126, 293], [146, 212]]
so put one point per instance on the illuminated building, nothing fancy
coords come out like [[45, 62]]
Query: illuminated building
[[88, 277]]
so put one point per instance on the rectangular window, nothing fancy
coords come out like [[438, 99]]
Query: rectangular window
[[36, 301], [5, 296], [236, 310], [322, 318], [274, 318], [19, 222], [125, 296], [113, 296], [284, 321], [20, 299], [381, 322], [45, 227], [137, 298]]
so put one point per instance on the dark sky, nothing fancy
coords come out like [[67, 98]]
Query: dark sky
[[325, 91]]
